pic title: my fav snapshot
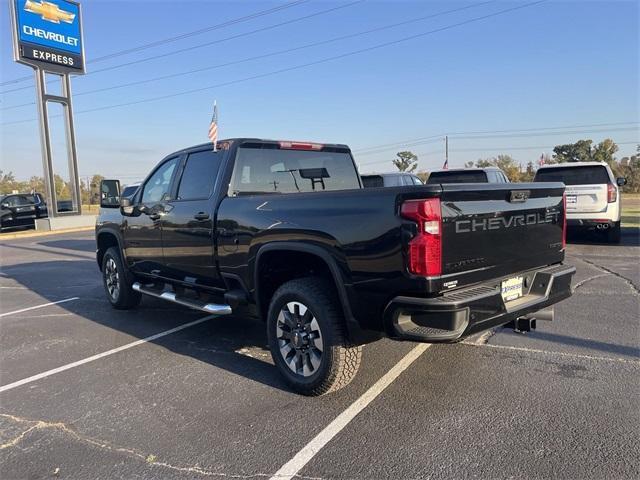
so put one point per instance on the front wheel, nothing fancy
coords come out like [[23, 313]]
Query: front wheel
[[117, 285], [307, 338]]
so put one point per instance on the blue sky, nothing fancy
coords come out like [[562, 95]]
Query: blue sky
[[553, 64]]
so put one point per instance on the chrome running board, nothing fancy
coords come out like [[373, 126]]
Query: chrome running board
[[211, 308]]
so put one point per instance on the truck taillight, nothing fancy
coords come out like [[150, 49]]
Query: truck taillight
[[564, 220], [425, 249], [612, 193]]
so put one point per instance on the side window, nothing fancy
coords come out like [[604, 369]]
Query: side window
[[159, 184], [199, 175], [407, 180], [416, 181], [392, 181], [493, 177], [11, 201]]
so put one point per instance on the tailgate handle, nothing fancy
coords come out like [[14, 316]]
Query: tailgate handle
[[519, 196]]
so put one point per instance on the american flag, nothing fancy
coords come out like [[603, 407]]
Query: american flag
[[213, 128], [541, 161]]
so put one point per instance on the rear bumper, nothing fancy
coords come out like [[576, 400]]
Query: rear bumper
[[455, 315], [590, 223]]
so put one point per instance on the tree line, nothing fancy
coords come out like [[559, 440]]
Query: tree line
[[89, 187], [580, 151]]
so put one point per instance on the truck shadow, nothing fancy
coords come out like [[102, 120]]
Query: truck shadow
[[235, 343], [624, 350], [630, 237], [82, 245]]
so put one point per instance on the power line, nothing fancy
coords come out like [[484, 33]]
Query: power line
[[267, 55], [304, 65], [208, 44], [487, 149], [182, 36], [499, 135], [418, 141]]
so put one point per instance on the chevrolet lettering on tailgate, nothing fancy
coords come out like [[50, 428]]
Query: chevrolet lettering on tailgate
[[495, 223]]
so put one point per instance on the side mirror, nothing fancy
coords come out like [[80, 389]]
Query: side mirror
[[621, 181], [110, 193], [5, 205], [127, 208]]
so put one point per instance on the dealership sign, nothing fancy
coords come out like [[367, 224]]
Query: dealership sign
[[48, 35]]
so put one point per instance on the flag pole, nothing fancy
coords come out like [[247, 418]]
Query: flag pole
[[215, 115], [446, 148]]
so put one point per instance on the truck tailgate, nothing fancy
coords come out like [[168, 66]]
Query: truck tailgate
[[491, 231]]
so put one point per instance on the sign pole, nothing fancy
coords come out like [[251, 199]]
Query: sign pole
[[45, 142], [71, 144]]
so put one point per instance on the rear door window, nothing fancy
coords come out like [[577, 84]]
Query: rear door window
[[590, 175], [199, 175]]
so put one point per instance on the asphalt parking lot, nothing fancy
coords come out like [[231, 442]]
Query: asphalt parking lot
[[86, 393]]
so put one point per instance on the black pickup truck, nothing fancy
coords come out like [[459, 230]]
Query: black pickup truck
[[286, 229]]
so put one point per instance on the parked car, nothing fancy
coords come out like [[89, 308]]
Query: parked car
[[286, 229], [395, 179], [128, 191], [467, 175], [593, 196], [21, 210]]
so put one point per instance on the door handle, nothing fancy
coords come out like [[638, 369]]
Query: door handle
[[201, 216]]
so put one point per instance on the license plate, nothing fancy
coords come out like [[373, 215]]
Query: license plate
[[511, 289], [572, 199]]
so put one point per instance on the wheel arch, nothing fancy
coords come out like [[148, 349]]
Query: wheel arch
[[105, 240], [293, 250]]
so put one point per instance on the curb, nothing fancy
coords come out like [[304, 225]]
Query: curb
[[30, 234]]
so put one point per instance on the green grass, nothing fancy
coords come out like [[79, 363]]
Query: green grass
[[630, 215]]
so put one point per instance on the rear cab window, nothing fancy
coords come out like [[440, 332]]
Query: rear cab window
[[265, 168], [474, 176], [587, 175]]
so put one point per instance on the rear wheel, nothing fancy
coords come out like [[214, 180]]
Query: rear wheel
[[307, 338], [613, 234], [116, 282]]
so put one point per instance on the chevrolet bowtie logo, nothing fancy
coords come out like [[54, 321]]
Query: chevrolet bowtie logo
[[49, 11]]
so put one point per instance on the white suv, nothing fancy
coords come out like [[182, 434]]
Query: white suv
[[593, 196]]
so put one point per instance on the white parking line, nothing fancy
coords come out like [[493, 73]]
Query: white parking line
[[550, 352], [68, 366], [38, 306], [297, 463]]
